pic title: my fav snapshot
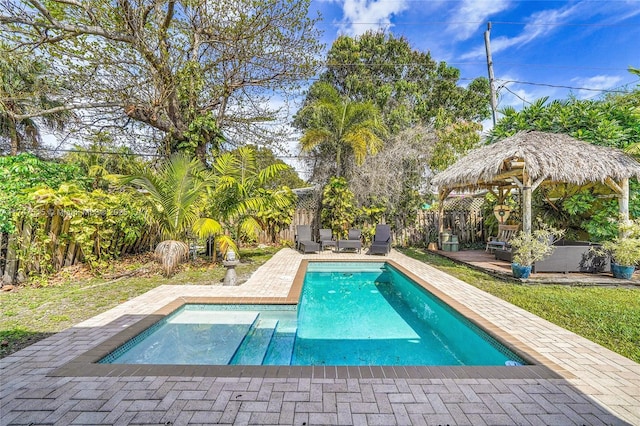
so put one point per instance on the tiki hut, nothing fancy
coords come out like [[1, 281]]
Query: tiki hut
[[529, 158]]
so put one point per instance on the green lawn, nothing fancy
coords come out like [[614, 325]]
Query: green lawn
[[608, 316]]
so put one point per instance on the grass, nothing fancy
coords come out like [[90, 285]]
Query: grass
[[609, 316], [30, 313], [606, 315]]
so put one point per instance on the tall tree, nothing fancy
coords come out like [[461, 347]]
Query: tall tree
[[407, 85], [190, 70], [26, 93], [344, 129]]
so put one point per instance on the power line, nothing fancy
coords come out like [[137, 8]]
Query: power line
[[382, 64], [564, 87], [129, 154], [543, 24]]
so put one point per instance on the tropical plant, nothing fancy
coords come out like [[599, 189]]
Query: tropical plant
[[102, 159], [173, 194], [21, 174], [240, 198], [339, 211], [625, 248], [344, 129], [529, 248], [275, 218]]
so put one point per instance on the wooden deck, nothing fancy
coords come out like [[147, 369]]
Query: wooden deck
[[486, 261]]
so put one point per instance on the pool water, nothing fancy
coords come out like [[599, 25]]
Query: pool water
[[350, 313]]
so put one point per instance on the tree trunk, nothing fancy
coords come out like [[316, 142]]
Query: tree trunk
[[13, 135]]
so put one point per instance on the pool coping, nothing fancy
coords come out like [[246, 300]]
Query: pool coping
[[86, 364]]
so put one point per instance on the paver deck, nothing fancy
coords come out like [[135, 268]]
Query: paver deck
[[595, 386]]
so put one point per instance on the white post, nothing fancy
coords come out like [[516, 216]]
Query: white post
[[526, 204]]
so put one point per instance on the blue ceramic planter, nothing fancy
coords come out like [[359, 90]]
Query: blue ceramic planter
[[520, 271], [621, 271]]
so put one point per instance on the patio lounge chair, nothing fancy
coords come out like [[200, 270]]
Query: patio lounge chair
[[352, 241], [381, 240], [326, 239], [505, 234], [303, 240]]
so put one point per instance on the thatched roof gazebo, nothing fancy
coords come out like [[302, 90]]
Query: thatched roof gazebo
[[529, 158]]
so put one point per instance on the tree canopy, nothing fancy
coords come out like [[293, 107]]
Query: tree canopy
[[25, 87], [192, 72], [408, 85]]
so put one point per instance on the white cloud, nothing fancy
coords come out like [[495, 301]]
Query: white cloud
[[540, 24], [359, 16], [595, 82], [471, 14]]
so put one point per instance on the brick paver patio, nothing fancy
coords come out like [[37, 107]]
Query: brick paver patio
[[593, 385]]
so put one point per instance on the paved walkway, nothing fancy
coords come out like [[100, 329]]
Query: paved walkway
[[596, 385]]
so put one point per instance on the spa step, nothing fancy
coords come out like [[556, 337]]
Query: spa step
[[281, 346], [255, 344]]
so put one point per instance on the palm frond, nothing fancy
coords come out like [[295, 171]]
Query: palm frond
[[314, 137], [206, 227], [225, 242], [170, 253]]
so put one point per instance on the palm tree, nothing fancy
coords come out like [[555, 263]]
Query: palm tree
[[173, 194], [24, 90], [340, 127], [240, 191]]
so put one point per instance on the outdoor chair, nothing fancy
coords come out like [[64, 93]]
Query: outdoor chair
[[381, 240], [352, 241], [326, 239], [303, 240], [501, 241]]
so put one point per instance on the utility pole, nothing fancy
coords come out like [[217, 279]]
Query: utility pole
[[492, 87]]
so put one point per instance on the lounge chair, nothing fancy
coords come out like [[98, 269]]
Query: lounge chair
[[352, 241], [381, 240], [303, 240], [501, 241], [326, 239]]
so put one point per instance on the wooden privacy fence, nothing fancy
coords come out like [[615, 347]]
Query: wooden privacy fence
[[467, 225]]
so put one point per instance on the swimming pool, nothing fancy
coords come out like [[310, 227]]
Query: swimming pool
[[349, 313]]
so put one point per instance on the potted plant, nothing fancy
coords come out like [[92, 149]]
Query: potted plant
[[530, 248], [624, 250], [433, 240]]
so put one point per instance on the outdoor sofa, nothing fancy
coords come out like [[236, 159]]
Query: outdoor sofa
[[568, 256]]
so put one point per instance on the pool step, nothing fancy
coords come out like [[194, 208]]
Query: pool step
[[281, 347], [255, 344]]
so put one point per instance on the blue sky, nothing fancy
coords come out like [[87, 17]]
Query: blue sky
[[580, 44]]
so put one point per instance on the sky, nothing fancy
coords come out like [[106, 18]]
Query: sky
[[539, 48]]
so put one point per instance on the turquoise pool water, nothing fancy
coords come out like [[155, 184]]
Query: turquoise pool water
[[350, 313]]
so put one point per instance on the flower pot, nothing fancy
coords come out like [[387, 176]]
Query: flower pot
[[433, 246], [622, 271], [520, 271]]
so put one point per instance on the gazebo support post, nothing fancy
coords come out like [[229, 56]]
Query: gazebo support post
[[527, 188], [526, 203], [622, 190], [443, 194]]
